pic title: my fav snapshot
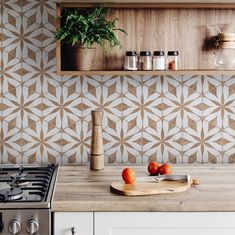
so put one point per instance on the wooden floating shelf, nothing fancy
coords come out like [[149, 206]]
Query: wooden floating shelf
[[156, 5], [135, 4], [150, 27], [148, 73]]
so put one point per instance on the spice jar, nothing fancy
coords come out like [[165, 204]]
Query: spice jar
[[159, 62], [131, 61], [173, 60], [145, 62]]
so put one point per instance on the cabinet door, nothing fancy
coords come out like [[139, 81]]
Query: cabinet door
[[82, 222], [164, 223]]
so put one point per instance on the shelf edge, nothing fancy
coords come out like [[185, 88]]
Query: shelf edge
[[148, 73]]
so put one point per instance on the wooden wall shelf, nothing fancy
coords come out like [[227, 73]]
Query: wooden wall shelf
[[146, 5], [154, 25], [149, 73]]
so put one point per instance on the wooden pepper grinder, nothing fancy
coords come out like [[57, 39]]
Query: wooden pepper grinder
[[97, 147]]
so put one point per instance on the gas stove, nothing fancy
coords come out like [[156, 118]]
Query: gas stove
[[25, 198]]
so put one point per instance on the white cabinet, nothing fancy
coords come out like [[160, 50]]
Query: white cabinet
[[164, 223], [144, 223], [82, 222]]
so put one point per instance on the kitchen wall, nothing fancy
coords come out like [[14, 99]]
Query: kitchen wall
[[46, 118]]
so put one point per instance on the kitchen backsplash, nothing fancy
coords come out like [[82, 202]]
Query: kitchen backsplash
[[46, 118]]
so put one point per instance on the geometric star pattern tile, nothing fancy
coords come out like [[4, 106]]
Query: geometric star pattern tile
[[192, 119], [227, 111], [46, 118]]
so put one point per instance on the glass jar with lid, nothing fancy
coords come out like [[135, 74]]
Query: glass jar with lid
[[225, 55], [159, 62], [131, 61], [173, 60], [145, 61]]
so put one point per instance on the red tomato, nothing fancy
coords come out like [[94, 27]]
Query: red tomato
[[153, 168], [128, 175], [165, 169]]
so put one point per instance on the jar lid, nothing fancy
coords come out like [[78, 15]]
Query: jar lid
[[158, 53], [131, 53], [173, 53], [145, 53]]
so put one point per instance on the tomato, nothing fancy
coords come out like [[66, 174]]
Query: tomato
[[128, 175], [165, 169], [153, 168]]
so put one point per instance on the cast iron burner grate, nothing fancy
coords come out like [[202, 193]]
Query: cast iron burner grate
[[25, 184]]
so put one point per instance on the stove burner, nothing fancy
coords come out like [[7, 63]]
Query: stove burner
[[10, 194], [19, 176], [23, 183], [17, 180]]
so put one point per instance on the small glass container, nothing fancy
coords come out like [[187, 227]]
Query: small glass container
[[131, 61], [173, 60], [225, 56], [225, 59], [145, 61], [159, 62]]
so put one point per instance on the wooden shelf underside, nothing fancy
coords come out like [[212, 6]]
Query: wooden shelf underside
[[148, 73], [144, 5]]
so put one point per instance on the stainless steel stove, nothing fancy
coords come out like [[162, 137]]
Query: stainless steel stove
[[25, 198]]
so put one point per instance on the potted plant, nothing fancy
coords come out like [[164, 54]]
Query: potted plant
[[81, 29]]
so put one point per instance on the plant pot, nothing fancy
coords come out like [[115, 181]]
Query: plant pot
[[77, 57], [83, 57]]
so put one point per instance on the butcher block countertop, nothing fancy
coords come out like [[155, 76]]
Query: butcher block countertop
[[79, 189]]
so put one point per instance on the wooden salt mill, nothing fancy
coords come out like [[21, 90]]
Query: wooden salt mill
[[97, 147]]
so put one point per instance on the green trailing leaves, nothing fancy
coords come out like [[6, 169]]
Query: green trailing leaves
[[87, 27]]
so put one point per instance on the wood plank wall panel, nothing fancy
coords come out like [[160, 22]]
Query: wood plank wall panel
[[165, 29]]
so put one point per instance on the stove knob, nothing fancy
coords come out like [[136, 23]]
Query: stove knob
[[1, 223], [32, 227], [14, 227], [1, 226]]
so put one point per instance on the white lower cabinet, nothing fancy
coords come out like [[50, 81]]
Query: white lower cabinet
[[144, 223], [164, 223], [69, 223]]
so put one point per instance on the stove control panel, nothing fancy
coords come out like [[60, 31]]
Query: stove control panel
[[22, 222]]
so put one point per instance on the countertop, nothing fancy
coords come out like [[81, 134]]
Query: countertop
[[79, 189]]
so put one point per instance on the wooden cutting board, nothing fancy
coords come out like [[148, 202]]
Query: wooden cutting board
[[149, 188]]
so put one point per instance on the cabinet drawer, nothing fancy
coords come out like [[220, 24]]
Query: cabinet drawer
[[81, 221]]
